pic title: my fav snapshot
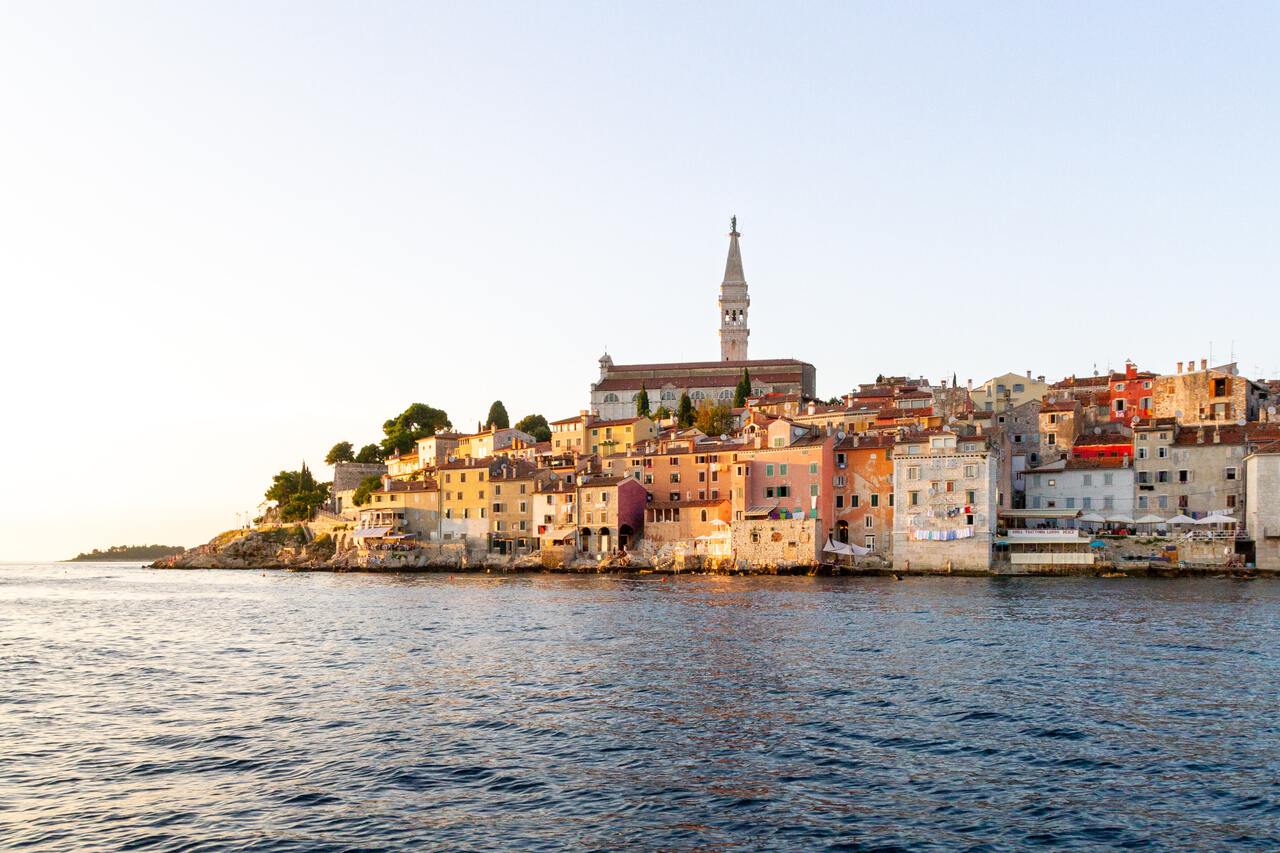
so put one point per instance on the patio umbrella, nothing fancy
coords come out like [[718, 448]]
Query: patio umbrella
[[1150, 519], [1182, 519], [1092, 518], [1121, 518]]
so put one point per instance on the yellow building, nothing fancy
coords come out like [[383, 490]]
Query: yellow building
[[1008, 391], [464, 499], [401, 466], [513, 484], [609, 438], [400, 507], [568, 435]]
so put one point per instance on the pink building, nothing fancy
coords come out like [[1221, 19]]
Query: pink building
[[788, 475]]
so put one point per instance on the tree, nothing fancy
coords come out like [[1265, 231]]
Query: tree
[[367, 486], [743, 391], [714, 418], [642, 402], [297, 494], [684, 414], [369, 453], [340, 452], [498, 416], [536, 426], [417, 421]]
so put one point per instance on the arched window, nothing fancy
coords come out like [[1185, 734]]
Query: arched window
[[611, 397], [668, 394], [704, 515], [698, 395], [725, 394]]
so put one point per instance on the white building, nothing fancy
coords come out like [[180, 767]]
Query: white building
[[1102, 485], [945, 498], [1262, 505]]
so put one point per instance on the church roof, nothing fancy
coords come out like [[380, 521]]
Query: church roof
[[733, 264]]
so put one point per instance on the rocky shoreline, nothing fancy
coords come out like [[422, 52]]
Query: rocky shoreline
[[300, 549]]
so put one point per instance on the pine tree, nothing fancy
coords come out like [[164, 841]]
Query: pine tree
[[743, 391], [685, 414], [642, 402], [498, 416]]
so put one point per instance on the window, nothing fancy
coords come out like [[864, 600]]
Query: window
[[1052, 482], [1051, 438], [1053, 419], [1142, 452], [839, 501], [813, 467], [1162, 476], [1088, 503], [971, 497], [1163, 501], [1231, 501], [784, 491], [1071, 503], [1230, 473], [703, 515], [1119, 387], [674, 496], [768, 470], [913, 472], [1142, 501], [1161, 453], [869, 521], [1018, 387], [813, 491], [1108, 502], [891, 499], [971, 471], [1184, 476], [1088, 479], [875, 499], [869, 540], [853, 501], [782, 470], [1108, 479], [841, 460], [913, 498]]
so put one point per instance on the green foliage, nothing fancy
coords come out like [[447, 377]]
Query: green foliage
[[370, 453], [297, 494], [340, 452], [642, 402], [128, 552], [367, 486], [714, 418], [417, 421], [743, 391], [662, 414], [497, 416], [685, 414], [536, 426]]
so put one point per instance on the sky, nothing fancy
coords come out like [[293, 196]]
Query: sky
[[233, 234]]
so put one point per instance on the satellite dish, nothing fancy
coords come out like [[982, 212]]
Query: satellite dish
[[724, 437], [1134, 421], [840, 436], [1178, 414], [1097, 430], [1242, 422], [1271, 410]]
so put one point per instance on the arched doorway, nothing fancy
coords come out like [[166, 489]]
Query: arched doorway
[[584, 539], [624, 536], [604, 544], [842, 532]]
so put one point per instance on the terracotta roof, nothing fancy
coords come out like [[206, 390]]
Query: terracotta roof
[[629, 383], [1106, 439], [700, 365], [613, 423], [1095, 462], [867, 441], [1061, 406]]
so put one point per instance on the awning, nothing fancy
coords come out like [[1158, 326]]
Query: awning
[[760, 510], [559, 534], [845, 548], [1038, 513], [1150, 519], [1092, 518], [372, 532], [1216, 519], [1182, 519], [1121, 518]]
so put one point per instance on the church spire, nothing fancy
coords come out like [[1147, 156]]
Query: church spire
[[733, 302]]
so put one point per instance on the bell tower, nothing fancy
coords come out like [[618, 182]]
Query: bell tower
[[733, 303]]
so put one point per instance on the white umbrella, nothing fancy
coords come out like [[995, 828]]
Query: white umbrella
[[1215, 518], [1121, 518], [1092, 518], [1182, 519], [1150, 519]]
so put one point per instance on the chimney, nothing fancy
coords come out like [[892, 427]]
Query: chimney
[[386, 482], [1040, 379], [1199, 435], [813, 408], [1204, 364], [970, 381], [1179, 367], [848, 401], [1028, 374], [1126, 460], [1217, 436]]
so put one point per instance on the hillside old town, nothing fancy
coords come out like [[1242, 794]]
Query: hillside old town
[[736, 465]]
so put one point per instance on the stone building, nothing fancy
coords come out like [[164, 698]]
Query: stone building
[[613, 395], [945, 501], [1262, 504], [402, 506], [1061, 422], [610, 514], [512, 521], [347, 477], [1210, 395]]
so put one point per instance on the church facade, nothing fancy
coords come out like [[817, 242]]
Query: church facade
[[614, 394]]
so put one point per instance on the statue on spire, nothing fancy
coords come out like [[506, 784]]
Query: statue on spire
[[733, 223]]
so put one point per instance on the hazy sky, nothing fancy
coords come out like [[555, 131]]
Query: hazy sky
[[233, 234]]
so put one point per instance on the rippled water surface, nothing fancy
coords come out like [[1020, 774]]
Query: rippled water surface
[[213, 710]]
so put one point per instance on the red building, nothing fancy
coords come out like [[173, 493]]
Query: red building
[[1131, 393], [1107, 445]]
